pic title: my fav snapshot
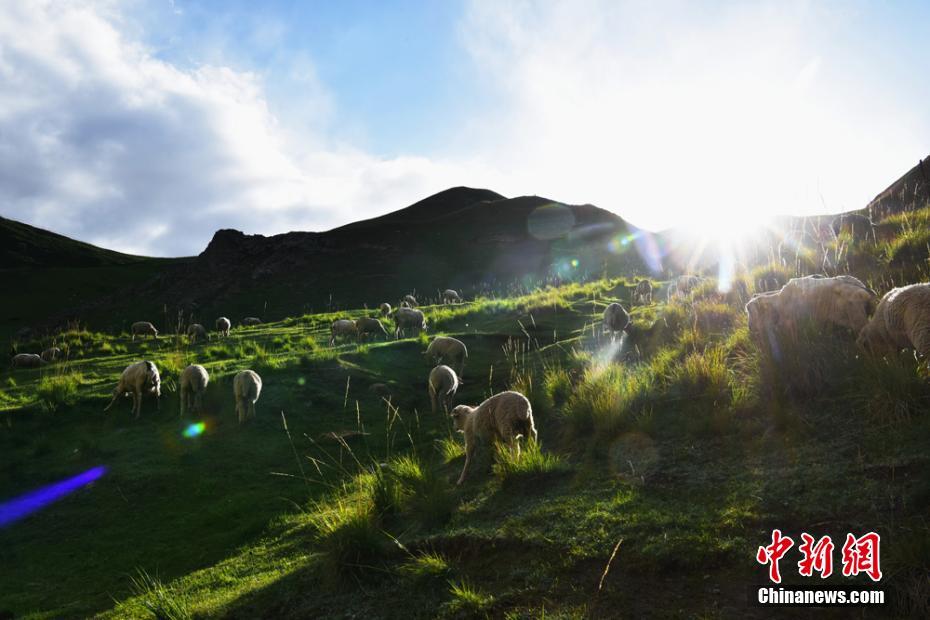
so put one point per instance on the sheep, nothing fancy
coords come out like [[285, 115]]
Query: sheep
[[408, 317], [367, 326], [901, 321], [27, 360], [443, 383], [685, 284], [411, 301], [504, 417], [843, 301], [223, 326], [449, 351], [247, 387], [250, 321], [143, 328], [450, 296], [194, 380], [51, 354], [342, 327], [196, 331], [643, 292], [616, 319], [138, 379], [404, 304], [385, 309]]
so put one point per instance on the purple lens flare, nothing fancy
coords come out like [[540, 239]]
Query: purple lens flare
[[24, 505]]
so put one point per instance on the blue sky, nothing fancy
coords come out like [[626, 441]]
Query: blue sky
[[146, 126]]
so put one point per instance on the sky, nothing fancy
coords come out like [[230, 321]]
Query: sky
[[146, 126]]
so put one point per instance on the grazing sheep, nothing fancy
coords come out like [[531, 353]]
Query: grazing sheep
[[408, 317], [194, 382], [51, 354], [858, 226], [451, 297], [843, 301], [404, 304], [247, 387], [345, 328], [411, 301], [685, 284], [443, 383], [368, 326], [27, 360], [143, 328], [385, 309], [643, 292], [616, 319], [223, 326], [449, 351], [251, 321], [196, 332], [503, 417], [138, 379], [901, 321]]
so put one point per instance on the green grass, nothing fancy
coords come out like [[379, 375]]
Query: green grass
[[689, 453]]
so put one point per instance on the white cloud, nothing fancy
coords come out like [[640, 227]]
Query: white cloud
[[670, 111], [102, 141]]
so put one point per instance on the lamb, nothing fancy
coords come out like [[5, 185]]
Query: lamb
[[411, 301], [251, 321], [143, 328], [408, 317], [223, 326], [196, 332], [450, 296], [616, 319], [138, 379], [449, 351], [247, 387], [443, 383], [27, 360], [342, 328], [194, 380], [385, 309], [643, 292], [51, 354], [504, 417], [368, 326], [901, 321]]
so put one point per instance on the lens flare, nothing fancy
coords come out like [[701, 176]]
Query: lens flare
[[24, 505], [301, 381], [574, 263], [195, 429]]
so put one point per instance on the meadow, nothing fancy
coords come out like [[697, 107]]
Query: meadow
[[663, 463]]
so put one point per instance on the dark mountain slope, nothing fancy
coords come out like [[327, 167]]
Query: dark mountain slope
[[910, 192]]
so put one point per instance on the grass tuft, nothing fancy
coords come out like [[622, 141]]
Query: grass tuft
[[158, 599]]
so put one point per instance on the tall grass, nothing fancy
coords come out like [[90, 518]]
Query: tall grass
[[531, 463], [59, 389], [161, 601]]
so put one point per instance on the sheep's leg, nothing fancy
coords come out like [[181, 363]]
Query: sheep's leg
[[252, 409], [115, 396], [183, 403], [468, 454], [239, 409], [432, 398], [137, 402]]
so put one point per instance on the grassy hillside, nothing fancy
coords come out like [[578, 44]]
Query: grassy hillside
[[662, 466]]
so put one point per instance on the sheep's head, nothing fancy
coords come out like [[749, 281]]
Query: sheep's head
[[459, 415]]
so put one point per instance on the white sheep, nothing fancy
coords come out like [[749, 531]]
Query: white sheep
[[450, 296], [643, 292], [366, 326], [616, 319], [504, 417], [901, 321], [385, 309], [344, 328], [251, 321], [449, 351], [408, 317], [411, 301], [138, 379], [443, 383], [194, 381], [27, 360], [143, 328], [247, 387], [223, 325], [51, 354], [196, 332]]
